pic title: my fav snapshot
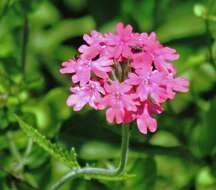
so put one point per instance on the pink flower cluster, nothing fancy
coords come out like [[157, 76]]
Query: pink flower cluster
[[126, 73]]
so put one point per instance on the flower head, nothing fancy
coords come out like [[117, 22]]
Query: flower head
[[128, 74]]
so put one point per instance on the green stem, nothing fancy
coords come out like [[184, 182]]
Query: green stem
[[24, 159], [100, 171], [24, 43], [13, 148], [124, 149], [28, 148]]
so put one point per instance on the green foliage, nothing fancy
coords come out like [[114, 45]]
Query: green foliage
[[148, 177], [207, 130], [69, 158], [103, 151], [181, 155], [199, 10]]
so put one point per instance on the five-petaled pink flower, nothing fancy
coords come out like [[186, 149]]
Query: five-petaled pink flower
[[87, 94], [128, 74], [83, 68], [119, 43], [118, 100]]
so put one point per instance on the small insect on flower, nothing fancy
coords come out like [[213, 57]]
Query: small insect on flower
[[128, 74]]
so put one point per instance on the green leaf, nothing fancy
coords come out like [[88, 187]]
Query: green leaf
[[205, 177], [4, 5], [45, 14], [144, 14], [180, 23], [69, 158], [75, 5], [47, 42], [181, 175], [50, 111], [203, 78], [199, 10], [206, 132], [103, 151], [147, 170], [164, 138]]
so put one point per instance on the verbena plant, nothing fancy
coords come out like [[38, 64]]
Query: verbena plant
[[126, 73]]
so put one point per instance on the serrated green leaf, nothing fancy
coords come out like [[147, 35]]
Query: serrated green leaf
[[59, 153]]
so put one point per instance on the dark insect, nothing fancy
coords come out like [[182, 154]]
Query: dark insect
[[136, 49]]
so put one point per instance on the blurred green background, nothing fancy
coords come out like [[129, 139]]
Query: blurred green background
[[181, 155]]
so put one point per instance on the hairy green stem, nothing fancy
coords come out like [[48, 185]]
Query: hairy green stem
[[100, 171], [25, 36], [124, 149]]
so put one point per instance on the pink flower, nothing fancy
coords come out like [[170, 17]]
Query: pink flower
[[142, 61], [149, 84], [119, 43], [128, 74], [68, 67], [145, 121], [173, 85], [180, 84], [118, 101], [161, 55], [96, 44], [83, 69], [88, 94]]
